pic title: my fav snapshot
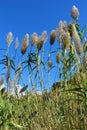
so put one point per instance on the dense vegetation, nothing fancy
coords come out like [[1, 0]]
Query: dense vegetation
[[64, 106]]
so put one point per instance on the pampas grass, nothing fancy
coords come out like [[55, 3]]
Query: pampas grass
[[64, 105]]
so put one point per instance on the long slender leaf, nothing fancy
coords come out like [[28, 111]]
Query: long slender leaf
[[83, 31]]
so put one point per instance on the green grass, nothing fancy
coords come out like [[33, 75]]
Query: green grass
[[60, 109]]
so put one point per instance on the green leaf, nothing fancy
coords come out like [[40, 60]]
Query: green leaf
[[83, 31], [75, 89], [15, 126], [85, 85], [77, 27], [85, 46], [12, 64]]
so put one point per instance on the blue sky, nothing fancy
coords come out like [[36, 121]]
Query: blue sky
[[28, 16]]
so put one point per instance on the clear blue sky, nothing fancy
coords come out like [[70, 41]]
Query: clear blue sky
[[28, 16]]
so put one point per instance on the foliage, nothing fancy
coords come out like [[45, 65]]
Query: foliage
[[64, 106]]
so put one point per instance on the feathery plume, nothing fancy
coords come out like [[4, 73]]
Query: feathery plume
[[61, 30], [39, 43], [9, 38], [44, 35], [74, 12], [66, 40], [52, 36], [75, 36], [41, 40], [63, 35], [34, 38], [25, 44]]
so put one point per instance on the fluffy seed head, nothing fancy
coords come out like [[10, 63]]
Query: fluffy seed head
[[61, 30], [39, 43], [34, 38], [63, 35], [25, 44], [66, 40], [44, 35], [9, 38], [52, 36], [75, 36], [72, 29], [41, 40], [74, 12]]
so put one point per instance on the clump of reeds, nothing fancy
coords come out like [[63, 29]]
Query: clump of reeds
[[64, 106]]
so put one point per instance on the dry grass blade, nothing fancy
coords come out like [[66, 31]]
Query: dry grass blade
[[14, 126]]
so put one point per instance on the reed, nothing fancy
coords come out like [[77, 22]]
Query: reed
[[64, 105]]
